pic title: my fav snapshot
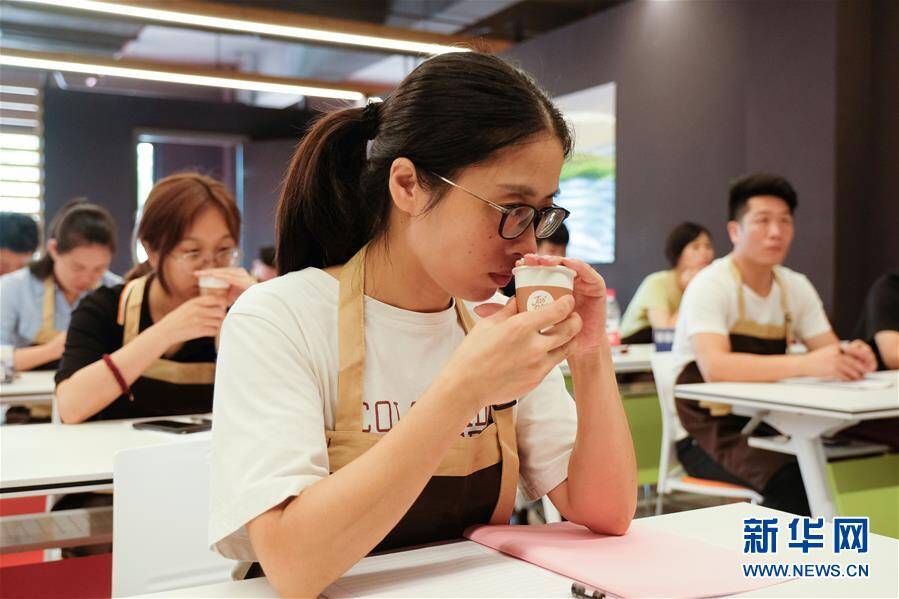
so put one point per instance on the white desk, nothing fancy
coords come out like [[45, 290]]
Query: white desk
[[720, 526], [636, 359], [803, 413], [33, 387], [41, 459]]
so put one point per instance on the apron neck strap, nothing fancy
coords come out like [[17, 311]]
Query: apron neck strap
[[48, 309], [130, 302], [351, 343]]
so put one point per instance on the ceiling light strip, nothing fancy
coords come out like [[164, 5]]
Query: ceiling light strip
[[256, 27], [147, 74]]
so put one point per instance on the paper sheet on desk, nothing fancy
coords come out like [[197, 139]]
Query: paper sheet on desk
[[642, 563], [872, 381]]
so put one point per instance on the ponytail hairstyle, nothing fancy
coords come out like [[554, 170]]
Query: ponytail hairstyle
[[170, 209], [77, 224], [453, 111]]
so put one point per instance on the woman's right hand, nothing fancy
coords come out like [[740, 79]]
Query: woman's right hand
[[505, 356], [201, 316]]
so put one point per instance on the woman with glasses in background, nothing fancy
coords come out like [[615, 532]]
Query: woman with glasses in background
[[148, 348], [372, 411]]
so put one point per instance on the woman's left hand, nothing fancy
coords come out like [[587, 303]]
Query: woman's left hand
[[238, 279], [589, 298]]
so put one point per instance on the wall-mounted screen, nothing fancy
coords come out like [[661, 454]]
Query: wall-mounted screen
[[587, 184]]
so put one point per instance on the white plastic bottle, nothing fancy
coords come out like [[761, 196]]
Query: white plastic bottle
[[613, 318]]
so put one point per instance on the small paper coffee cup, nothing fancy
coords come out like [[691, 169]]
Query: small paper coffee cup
[[536, 287], [213, 286]]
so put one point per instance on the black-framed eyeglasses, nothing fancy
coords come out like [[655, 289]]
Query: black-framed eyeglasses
[[516, 218]]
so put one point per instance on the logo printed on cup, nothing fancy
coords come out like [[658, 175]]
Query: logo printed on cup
[[539, 300], [537, 287]]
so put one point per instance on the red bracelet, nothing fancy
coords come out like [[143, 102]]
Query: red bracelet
[[126, 390]]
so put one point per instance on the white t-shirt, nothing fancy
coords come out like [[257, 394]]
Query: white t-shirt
[[710, 305], [276, 393]]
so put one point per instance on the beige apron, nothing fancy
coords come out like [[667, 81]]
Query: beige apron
[[477, 479], [752, 337], [712, 425]]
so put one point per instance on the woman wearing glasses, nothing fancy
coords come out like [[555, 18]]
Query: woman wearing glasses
[[148, 347], [372, 412]]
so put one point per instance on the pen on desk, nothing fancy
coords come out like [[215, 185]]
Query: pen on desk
[[579, 591]]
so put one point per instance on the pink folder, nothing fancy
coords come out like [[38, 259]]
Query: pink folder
[[642, 563]]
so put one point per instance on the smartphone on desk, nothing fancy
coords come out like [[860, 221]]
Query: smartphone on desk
[[175, 426]]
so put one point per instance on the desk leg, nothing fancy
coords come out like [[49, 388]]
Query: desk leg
[[805, 433], [813, 465]]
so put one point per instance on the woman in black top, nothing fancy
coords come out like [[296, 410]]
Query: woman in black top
[[148, 348], [879, 320]]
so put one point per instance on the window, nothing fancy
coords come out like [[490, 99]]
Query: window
[[21, 150]]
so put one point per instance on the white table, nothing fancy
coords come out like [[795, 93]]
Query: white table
[[41, 459], [635, 359], [720, 526], [802, 412], [33, 387]]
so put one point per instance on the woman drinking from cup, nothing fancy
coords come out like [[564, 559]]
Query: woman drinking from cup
[[148, 348], [358, 404]]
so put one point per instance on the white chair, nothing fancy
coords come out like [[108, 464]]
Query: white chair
[[160, 515], [671, 474], [550, 513]]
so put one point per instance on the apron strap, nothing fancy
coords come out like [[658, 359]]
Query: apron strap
[[785, 308], [48, 313], [508, 443], [741, 301], [351, 343], [129, 308]]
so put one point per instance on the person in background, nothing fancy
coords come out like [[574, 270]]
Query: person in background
[[879, 321], [556, 244], [37, 302], [264, 266], [148, 348], [18, 241], [655, 304], [737, 318]]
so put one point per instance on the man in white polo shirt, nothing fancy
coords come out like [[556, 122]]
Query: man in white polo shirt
[[737, 318]]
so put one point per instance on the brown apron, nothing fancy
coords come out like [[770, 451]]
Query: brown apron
[[712, 425], [477, 479]]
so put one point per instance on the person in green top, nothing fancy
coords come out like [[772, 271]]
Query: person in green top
[[689, 249]]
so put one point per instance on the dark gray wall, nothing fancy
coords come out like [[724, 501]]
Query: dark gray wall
[[867, 151], [89, 147], [264, 165], [708, 91]]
